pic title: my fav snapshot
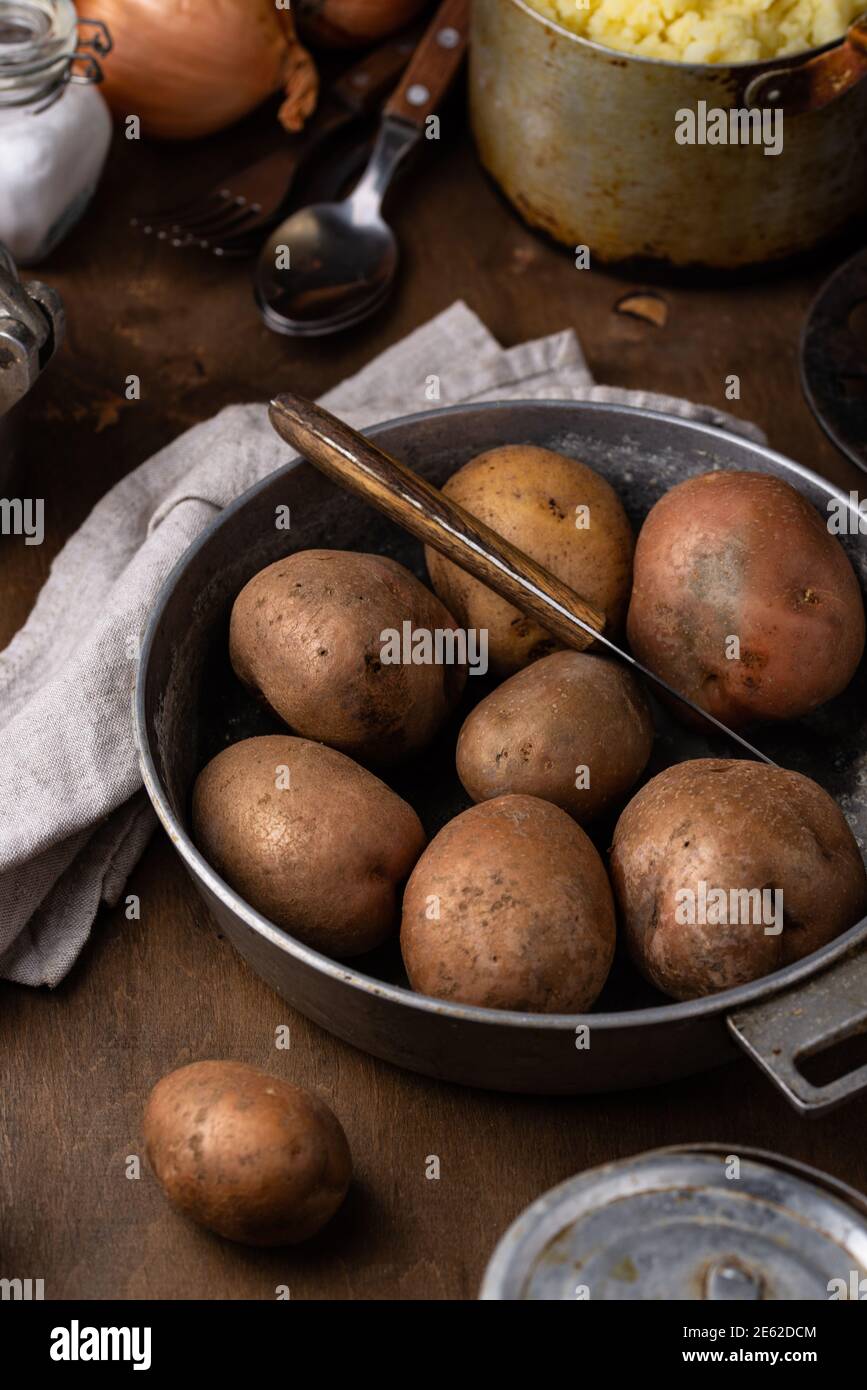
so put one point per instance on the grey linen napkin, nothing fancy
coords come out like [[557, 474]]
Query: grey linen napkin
[[73, 816]]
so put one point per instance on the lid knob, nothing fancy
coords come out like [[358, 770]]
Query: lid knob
[[729, 1279]]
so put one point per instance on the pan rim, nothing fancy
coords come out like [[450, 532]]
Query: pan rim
[[659, 1015]]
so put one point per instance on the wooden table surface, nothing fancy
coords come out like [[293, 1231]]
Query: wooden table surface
[[147, 996]]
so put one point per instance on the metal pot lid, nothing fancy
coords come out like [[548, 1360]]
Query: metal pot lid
[[698, 1223], [834, 359]]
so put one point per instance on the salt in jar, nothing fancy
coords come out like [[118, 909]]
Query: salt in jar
[[55, 127]]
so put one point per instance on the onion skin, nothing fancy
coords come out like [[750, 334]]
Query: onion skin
[[188, 68], [353, 23]]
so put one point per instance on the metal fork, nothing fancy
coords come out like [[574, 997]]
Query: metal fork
[[333, 182], [235, 212]]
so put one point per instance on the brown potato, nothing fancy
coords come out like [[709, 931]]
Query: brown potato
[[313, 841], [246, 1154], [532, 497], [739, 827], [510, 908], [306, 634], [744, 556], [573, 729]]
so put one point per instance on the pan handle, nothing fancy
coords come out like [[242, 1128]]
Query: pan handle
[[810, 85], [805, 1020]]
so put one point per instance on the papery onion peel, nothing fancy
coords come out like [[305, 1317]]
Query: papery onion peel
[[188, 68]]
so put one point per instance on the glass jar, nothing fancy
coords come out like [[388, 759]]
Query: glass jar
[[55, 127]]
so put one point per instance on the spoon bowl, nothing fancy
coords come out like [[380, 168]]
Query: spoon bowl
[[325, 268]]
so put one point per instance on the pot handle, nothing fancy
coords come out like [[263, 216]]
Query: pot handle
[[817, 82], [805, 1020]]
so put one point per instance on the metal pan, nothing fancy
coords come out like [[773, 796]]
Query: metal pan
[[189, 705]]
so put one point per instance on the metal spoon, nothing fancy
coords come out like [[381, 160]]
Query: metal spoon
[[330, 265]]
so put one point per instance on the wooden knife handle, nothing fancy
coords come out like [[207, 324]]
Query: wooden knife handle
[[433, 65], [360, 466], [365, 84]]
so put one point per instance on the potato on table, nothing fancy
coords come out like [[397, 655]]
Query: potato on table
[[246, 1154], [510, 908], [313, 841], [560, 513], [307, 636], [743, 600], [573, 729], [727, 870]]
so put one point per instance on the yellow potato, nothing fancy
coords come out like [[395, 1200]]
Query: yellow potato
[[560, 513], [313, 841], [246, 1154], [510, 907], [572, 728], [306, 634]]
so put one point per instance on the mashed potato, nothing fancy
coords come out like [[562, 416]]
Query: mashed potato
[[705, 31]]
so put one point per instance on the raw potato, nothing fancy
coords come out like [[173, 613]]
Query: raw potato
[[313, 841], [246, 1154], [735, 826], [567, 720], [306, 635], [510, 908], [744, 556], [531, 497]]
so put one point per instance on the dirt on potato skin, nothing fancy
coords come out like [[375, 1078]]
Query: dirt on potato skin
[[564, 713], [738, 826], [306, 635], [312, 840], [246, 1154], [743, 600], [531, 497], [524, 915]]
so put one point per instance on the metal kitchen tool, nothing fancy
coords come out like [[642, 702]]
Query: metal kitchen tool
[[31, 330], [360, 466], [834, 358], [581, 139], [333, 177], [331, 265], [687, 1223], [189, 702], [251, 200]]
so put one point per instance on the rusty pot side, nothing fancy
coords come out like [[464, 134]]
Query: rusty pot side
[[582, 141]]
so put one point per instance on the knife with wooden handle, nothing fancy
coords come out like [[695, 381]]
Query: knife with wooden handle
[[361, 467]]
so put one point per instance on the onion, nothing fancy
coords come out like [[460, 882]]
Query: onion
[[190, 67], [347, 23]]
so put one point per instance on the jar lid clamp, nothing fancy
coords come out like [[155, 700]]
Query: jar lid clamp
[[45, 46]]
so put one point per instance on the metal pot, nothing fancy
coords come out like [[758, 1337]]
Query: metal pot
[[189, 704], [582, 140], [31, 330]]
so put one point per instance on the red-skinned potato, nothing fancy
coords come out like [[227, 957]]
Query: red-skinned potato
[[246, 1154], [534, 498], [572, 728], [510, 908], [742, 829], [306, 635], [743, 601], [315, 842]]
